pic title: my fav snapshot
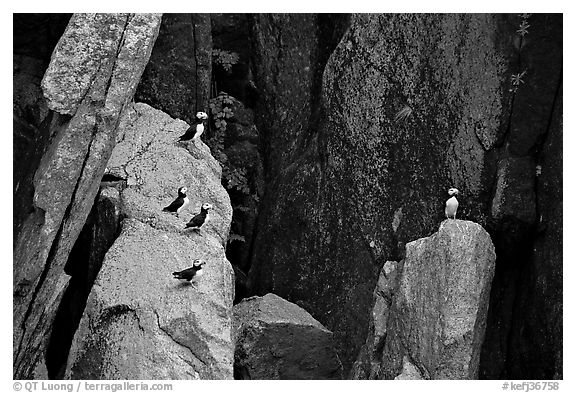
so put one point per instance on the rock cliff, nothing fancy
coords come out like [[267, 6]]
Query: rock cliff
[[401, 120], [139, 322], [358, 160], [93, 74], [347, 130]]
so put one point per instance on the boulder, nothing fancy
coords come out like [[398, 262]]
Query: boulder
[[93, 74], [276, 339], [438, 318], [139, 322]]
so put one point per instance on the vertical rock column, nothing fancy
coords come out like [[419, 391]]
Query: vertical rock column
[[93, 74], [438, 317]]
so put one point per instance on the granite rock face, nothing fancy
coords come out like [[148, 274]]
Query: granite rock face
[[93, 74], [438, 317], [276, 339], [396, 122], [139, 322]]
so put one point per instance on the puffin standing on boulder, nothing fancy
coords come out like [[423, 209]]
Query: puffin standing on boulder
[[199, 219], [193, 133], [192, 273], [179, 203], [451, 204]]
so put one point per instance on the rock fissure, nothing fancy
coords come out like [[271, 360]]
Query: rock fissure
[[178, 342], [55, 244]]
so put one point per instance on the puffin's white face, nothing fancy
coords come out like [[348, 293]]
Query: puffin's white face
[[183, 190], [198, 263], [453, 191], [206, 206], [202, 115]]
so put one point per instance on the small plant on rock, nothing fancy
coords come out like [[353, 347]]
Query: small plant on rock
[[224, 59], [233, 178], [517, 80]]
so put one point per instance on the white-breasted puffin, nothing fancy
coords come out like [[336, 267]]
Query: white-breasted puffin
[[199, 219], [451, 204], [179, 203], [197, 130], [192, 273]]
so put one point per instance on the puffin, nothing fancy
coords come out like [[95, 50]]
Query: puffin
[[192, 273], [451, 203], [199, 219], [179, 203], [197, 130]]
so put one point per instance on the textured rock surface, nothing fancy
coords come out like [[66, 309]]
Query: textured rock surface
[[409, 371], [177, 78], [438, 317], [93, 74], [139, 322], [276, 339], [285, 106], [325, 227], [515, 196]]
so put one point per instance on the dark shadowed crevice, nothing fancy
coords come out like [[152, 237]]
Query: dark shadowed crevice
[[329, 30], [101, 229], [34, 39], [517, 319], [241, 372], [110, 178]]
